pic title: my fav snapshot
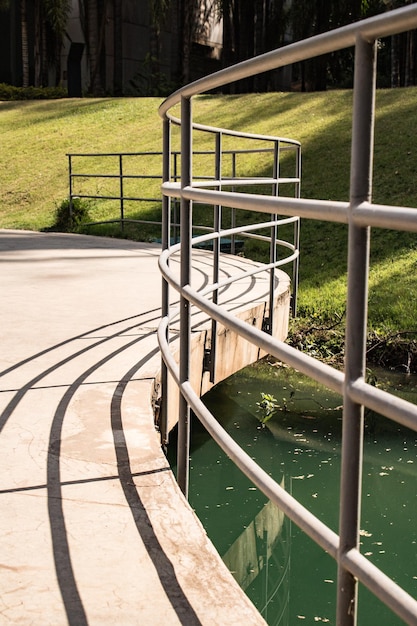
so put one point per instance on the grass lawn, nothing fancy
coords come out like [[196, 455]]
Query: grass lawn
[[37, 135]]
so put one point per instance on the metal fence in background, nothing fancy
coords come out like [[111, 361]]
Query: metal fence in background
[[114, 177], [114, 170]]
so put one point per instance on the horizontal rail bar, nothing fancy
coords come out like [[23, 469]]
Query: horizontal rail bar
[[385, 216], [111, 154], [118, 176], [321, 372], [394, 596], [385, 403], [228, 132], [326, 538], [381, 585], [365, 214], [314, 209], [243, 182], [239, 230], [118, 220], [382, 402], [242, 230], [212, 129], [135, 199]]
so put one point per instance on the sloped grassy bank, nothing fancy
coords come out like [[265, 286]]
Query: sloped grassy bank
[[36, 136]]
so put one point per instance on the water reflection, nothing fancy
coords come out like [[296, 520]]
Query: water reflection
[[259, 560], [284, 573]]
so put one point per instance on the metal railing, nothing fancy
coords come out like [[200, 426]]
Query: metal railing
[[119, 170], [115, 171], [360, 214]]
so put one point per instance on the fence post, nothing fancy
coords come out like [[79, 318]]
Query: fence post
[[216, 252], [296, 264], [233, 211], [175, 216], [356, 319], [166, 227], [122, 213], [273, 243], [70, 207], [185, 314]]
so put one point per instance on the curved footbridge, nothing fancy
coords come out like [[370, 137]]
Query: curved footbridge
[[94, 529]]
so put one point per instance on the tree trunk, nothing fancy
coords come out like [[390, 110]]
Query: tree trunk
[[39, 60], [45, 57], [25, 44], [320, 63], [156, 19], [409, 59], [118, 48], [395, 61], [93, 46], [188, 20], [245, 39]]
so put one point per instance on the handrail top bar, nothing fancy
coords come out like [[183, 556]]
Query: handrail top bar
[[116, 154], [383, 25], [365, 214], [332, 211], [235, 133], [234, 181]]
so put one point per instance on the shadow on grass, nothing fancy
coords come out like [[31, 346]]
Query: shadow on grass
[[322, 122]]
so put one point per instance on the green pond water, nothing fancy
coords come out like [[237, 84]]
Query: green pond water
[[289, 578]]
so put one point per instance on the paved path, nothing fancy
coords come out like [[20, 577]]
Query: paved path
[[93, 528]]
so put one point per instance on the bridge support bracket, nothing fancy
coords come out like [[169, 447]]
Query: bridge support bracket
[[207, 360], [266, 325]]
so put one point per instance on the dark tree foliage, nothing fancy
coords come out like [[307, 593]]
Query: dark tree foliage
[[252, 27]]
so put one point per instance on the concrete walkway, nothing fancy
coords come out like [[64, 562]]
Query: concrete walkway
[[93, 528]]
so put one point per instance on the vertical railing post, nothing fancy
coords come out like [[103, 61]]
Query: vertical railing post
[[296, 264], [185, 278], [175, 217], [70, 207], [216, 253], [165, 236], [122, 211], [273, 243], [356, 323], [233, 211]]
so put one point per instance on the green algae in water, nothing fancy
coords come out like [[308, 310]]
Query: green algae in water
[[288, 577]]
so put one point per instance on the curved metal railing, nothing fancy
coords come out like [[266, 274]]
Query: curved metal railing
[[360, 214]]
